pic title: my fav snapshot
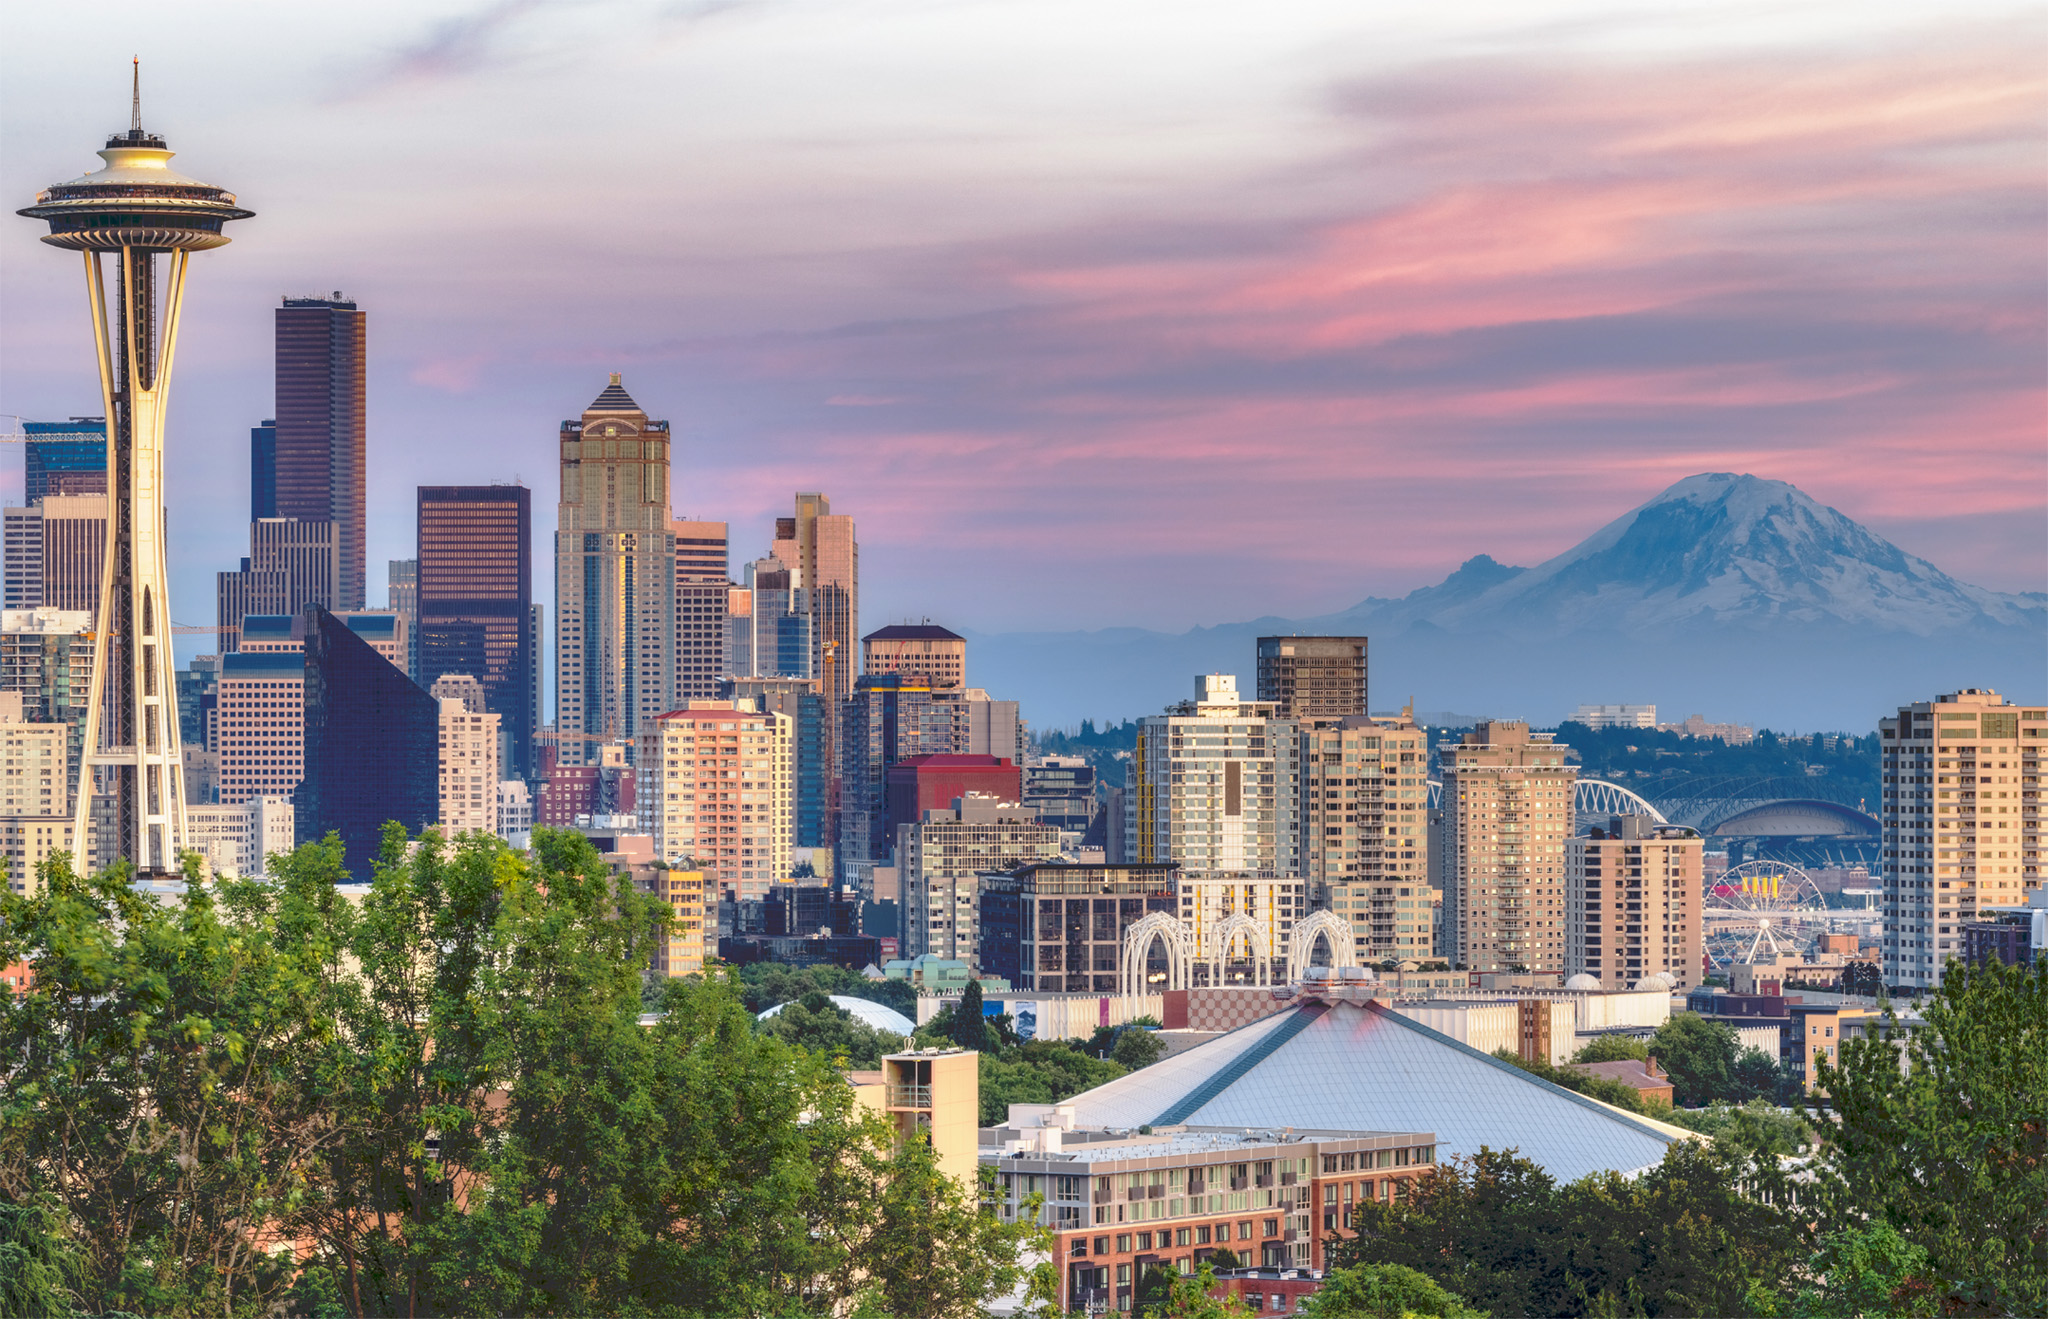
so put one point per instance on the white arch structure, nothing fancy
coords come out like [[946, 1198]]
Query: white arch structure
[[1182, 954], [1599, 798], [1301, 942], [1165, 928]]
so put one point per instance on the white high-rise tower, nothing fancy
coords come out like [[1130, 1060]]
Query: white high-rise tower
[[137, 209]]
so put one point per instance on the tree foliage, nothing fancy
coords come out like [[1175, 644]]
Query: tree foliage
[[1385, 1291], [1707, 1063], [814, 1022], [764, 984], [1941, 1134], [441, 1084], [1612, 1049], [1495, 1229]]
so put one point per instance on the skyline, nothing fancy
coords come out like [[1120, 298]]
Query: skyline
[[996, 309]]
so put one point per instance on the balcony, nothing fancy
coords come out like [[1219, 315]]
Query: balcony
[[910, 1096]]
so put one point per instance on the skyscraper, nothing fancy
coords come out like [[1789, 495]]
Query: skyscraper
[[64, 458], [824, 560], [1313, 677], [263, 471], [1960, 833], [1364, 831], [919, 650], [1216, 786], [291, 565], [1507, 799], [372, 744], [702, 604], [137, 208], [475, 593], [615, 593], [718, 792], [320, 429], [1633, 889], [402, 596], [54, 550]]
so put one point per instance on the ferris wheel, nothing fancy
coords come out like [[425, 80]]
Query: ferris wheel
[[1750, 908]]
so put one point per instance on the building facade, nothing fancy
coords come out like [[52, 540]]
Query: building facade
[[1215, 784], [260, 724], [615, 575], [1365, 831], [714, 791], [933, 783], [1632, 894], [469, 768], [1507, 808], [1123, 1204], [473, 595], [889, 719], [824, 560], [703, 605], [372, 744], [1313, 677], [46, 658], [34, 762], [916, 650], [1054, 927], [63, 458], [292, 564], [800, 700], [1962, 823], [942, 856], [321, 434], [1614, 716]]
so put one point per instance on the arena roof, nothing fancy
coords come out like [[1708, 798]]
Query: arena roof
[[1358, 1066], [867, 1012]]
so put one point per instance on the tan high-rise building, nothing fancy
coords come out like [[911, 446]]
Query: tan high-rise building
[[1507, 811], [693, 923], [1214, 786], [1632, 893], [824, 564], [919, 650], [615, 577], [1313, 677], [260, 723], [33, 772], [469, 768], [714, 789], [1365, 831], [1962, 822]]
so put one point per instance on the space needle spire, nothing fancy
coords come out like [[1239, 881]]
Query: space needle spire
[[136, 208]]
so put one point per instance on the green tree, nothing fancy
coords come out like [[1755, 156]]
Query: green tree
[[816, 1023], [1223, 1259], [1605, 1089], [1137, 1048], [1869, 1270], [1385, 1291], [1155, 1289], [970, 1029], [1612, 1049], [1687, 1237], [1863, 978], [159, 1090], [1941, 1134], [1699, 1055], [1757, 1126], [40, 1271], [1193, 1296]]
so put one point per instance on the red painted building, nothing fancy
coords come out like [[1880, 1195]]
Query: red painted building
[[932, 783]]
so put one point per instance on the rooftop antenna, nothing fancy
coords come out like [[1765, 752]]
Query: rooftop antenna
[[135, 117]]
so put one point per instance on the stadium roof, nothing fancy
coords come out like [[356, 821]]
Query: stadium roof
[[867, 1012], [1337, 1065]]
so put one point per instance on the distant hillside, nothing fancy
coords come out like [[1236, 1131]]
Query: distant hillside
[[1731, 596]]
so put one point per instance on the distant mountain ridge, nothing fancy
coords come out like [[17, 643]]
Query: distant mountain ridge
[[1726, 594]]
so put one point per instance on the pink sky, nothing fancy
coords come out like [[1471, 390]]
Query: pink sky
[[1150, 314]]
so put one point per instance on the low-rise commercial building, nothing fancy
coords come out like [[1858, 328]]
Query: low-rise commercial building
[[1122, 1203]]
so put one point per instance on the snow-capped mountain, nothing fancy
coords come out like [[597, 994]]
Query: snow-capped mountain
[[1728, 595], [1718, 550]]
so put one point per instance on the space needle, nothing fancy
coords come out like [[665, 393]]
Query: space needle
[[138, 209]]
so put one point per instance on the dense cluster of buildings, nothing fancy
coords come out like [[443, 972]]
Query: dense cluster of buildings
[[723, 727]]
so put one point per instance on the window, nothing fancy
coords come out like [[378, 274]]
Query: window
[[1244, 1230], [1272, 1226], [1123, 1243]]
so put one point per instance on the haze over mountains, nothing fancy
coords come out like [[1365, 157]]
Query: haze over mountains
[[1732, 596]]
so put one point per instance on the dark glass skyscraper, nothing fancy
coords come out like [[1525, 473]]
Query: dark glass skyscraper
[[372, 745], [263, 471], [475, 585], [320, 428]]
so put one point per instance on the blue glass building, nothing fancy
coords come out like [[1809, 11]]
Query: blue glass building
[[373, 742]]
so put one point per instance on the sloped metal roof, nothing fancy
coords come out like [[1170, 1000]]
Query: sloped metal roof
[[1352, 1066]]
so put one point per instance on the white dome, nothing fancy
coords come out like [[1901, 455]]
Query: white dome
[[1582, 981], [867, 1012], [1661, 980]]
